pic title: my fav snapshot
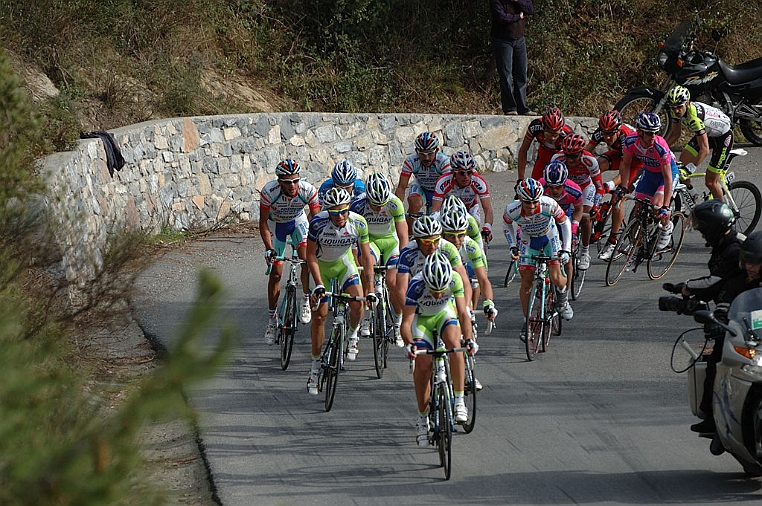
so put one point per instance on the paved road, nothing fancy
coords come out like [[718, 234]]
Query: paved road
[[600, 418]]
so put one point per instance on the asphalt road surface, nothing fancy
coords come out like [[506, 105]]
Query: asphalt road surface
[[598, 419]]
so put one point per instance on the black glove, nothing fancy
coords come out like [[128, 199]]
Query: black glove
[[371, 298]]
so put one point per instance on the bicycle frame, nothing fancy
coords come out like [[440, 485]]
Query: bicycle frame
[[539, 319], [382, 323], [288, 322]]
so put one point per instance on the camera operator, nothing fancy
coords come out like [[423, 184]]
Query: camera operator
[[714, 220]]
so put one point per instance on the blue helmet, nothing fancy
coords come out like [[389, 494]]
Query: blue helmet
[[555, 173], [344, 173], [648, 122]]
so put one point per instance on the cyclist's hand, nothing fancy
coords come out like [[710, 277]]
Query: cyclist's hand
[[269, 255], [489, 309], [664, 213], [410, 351], [472, 346], [564, 256], [487, 233], [595, 213], [316, 295], [620, 191], [515, 253], [371, 298]]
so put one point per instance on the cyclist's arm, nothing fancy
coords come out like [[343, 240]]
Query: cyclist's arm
[[591, 145], [312, 262], [484, 283], [521, 164], [486, 203], [402, 186], [406, 328], [675, 130], [464, 317], [401, 228], [666, 171], [702, 139], [624, 169], [264, 227]]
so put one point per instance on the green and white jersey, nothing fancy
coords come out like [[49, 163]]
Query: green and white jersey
[[336, 242]]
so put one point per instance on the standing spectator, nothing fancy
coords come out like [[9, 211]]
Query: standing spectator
[[510, 51]]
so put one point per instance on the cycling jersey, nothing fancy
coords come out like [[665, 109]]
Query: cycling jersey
[[426, 177], [419, 295], [585, 173], [624, 131], [546, 148], [539, 232], [381, 223], [470, 195], [335, 242], [700, 118], [359, 188], [411, 258], [570, 199], [471, 254], [283, 209], [653, 157]]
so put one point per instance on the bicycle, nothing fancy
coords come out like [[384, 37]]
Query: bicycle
[[542, 318], [382, 321], [743, 197], [513, 265], [332, 358], [637, 244], [578, 275], [441, 403], [287, 319]]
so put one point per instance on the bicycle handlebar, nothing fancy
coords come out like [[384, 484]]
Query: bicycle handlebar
[[440, 351]]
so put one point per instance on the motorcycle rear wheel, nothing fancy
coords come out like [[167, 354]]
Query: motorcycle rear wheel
[[752, 130]]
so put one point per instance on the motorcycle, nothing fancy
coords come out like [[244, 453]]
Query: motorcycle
[[735, 90], [737, 394]]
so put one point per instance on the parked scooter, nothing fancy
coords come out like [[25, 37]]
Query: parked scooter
[[737, 399]]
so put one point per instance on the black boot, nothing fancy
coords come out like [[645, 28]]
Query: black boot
[[704, 427]]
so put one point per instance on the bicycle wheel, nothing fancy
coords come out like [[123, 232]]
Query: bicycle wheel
[[389, 336], [748, 205], [659, 262], [534, 322], [469, 393], [578, 278], [600, 230], [550, 310], [379, 339], [624, 253], [445, 430], [333, 364], [288, 328], [556, 323], [510, 275]]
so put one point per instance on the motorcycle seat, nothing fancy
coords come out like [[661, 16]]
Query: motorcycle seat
[[743, 73]]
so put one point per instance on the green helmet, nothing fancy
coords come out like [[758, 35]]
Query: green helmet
[[678, 95]]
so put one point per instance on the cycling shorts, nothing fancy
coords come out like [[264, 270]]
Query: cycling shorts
[[653, 182], [424, 326], [426, 195], [544, 245], [343, 271], [720, 147], [295, 229], [387, 245]]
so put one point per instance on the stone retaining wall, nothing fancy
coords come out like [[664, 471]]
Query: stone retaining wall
[[187, 173]]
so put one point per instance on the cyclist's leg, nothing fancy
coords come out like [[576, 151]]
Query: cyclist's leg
[[368, 315], [449, 329], [423, 328], [280, 235], [299, 238], [721, 147], [688, 155]]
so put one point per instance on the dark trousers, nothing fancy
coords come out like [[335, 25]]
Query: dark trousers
[[511, 61]]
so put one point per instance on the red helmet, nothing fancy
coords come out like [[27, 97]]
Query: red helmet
[[553, 120], [573, 144], [611, 121]]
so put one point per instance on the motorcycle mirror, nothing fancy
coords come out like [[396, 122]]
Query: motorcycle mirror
[[703, 316]]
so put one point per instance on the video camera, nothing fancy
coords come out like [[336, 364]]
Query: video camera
[[679, 305]]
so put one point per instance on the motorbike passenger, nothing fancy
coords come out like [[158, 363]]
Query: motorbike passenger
[[711, 128]]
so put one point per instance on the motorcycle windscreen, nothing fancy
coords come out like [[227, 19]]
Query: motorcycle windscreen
[[674, 42], [748, 305]]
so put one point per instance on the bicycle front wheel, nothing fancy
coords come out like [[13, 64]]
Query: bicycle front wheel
[[379, 339], [550, 315], [748, 205], [469, 393], [332, 367], [444, 440], [288, 329], [534, 322], [624, 252], [660, 261], [578, 279], [511, 274]]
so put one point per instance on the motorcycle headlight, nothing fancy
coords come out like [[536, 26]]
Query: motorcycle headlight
[[661, 58]]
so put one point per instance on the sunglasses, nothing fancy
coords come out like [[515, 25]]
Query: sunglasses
[[438, 291], [552, 134], [572, 155], [425, 153], [290, 181], [455, 234], [338, 212], [430, 240], [609, 134], [464, 172], [646, 134]]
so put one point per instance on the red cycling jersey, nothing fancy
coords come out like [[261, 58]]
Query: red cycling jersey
[[546, 148]]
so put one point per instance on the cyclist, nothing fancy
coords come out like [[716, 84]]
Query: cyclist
[[435, 301], [465, 183], [660, 170], [332, 234], [387, 231], [343, 175], [427, 233], [540, 219], [613, 132], [583, 170], [557, 185], [427, 164], [281, 214], [712, 129], [454, 227], [549, 130]]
